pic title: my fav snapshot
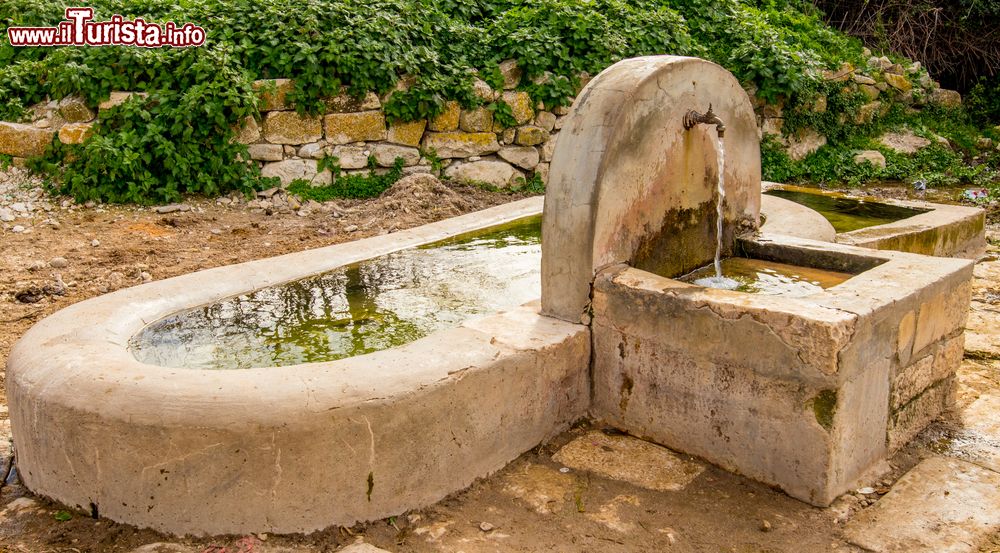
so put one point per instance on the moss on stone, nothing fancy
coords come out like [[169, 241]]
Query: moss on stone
[[824, 405]]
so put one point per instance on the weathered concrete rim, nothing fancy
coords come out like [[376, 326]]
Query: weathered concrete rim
[[94, 426], [942, 229], [113, 319]]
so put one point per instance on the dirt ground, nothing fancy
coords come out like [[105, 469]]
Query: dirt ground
[[66, 253]]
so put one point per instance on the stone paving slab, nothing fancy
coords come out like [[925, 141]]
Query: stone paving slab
[[621, 457], [941, 506]]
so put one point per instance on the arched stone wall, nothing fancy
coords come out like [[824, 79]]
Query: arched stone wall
[[629, 185]]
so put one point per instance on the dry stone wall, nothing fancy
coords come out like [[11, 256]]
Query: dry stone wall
[[470, 144]]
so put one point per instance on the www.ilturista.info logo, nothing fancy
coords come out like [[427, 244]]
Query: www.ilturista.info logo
[[79, 29]]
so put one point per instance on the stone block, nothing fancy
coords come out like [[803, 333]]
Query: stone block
[[248, 130], [272, 92], [351, 157], [549, 147], [75, 133], [314, 150], [873, 157], [386, 154], [406, 133], [483, 90], [904, 142], [946, 98], [940, 506], [288, 127], [345, 128], [525, 157], [461, 144], [867, 112], [447, 120], [476, 120], [74, 110], [803, 143], [23, 140], [916, 377], [496, 173], [520, 106], [530, 135], [118, 97], [345, 103], [545, 120], [899, 82], [511, 74], [266, 152], [941, 316], [290, 170]]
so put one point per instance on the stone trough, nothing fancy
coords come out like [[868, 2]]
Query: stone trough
[[806, 393]]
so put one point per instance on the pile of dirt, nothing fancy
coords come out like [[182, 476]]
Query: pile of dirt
[[425, 196]]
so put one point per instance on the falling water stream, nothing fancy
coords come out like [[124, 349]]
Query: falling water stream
[[719, 281]]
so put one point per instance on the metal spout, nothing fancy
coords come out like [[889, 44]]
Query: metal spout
[[692, 118]]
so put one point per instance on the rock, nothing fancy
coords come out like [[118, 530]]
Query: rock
[[75, 133], [803, 143], [386, 154], [863, 79], [545, 120], [117, 98], [628, 459], [765, 526], [819, 106], [23, 140], [344, 128], [313, 150], [511, 74], [894, 69], [984, 143], [288, 127], [266, 152], [20, 207], [95, 243], [350, 228], [873, 157], [486, 526], [476, 120], [483, 90], [58, 263], [248, 131], [74, 110], [345, 103], [496, 173], [525, 157], [772, 126], [272, 93], [542, 170], [6, 215], [867, 112], [460, 144], [447, 120], [549, 147], [171, 208], [520, 106], [840, 75], [904, 142], [530, 135], [351, 157], [290, 170], [940, 506], [269, 192], [872, 92], [18, 229], [899, 82], [407, 134], [940, 97]]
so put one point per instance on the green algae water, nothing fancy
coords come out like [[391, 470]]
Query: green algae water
[[757, 276], [369, 306], [846, 214]]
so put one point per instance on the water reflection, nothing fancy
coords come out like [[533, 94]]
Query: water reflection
[[847, 214], [757, 276], [365, 307]]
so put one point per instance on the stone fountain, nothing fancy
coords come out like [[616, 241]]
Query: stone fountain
[[806, 393]]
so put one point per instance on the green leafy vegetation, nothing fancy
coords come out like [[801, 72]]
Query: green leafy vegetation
[[367, 185], [180, 139]]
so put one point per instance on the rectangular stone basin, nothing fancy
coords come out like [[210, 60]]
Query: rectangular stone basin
[[927, 228], [805, 393]]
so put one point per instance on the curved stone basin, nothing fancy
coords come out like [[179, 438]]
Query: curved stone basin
[[284, 449]]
